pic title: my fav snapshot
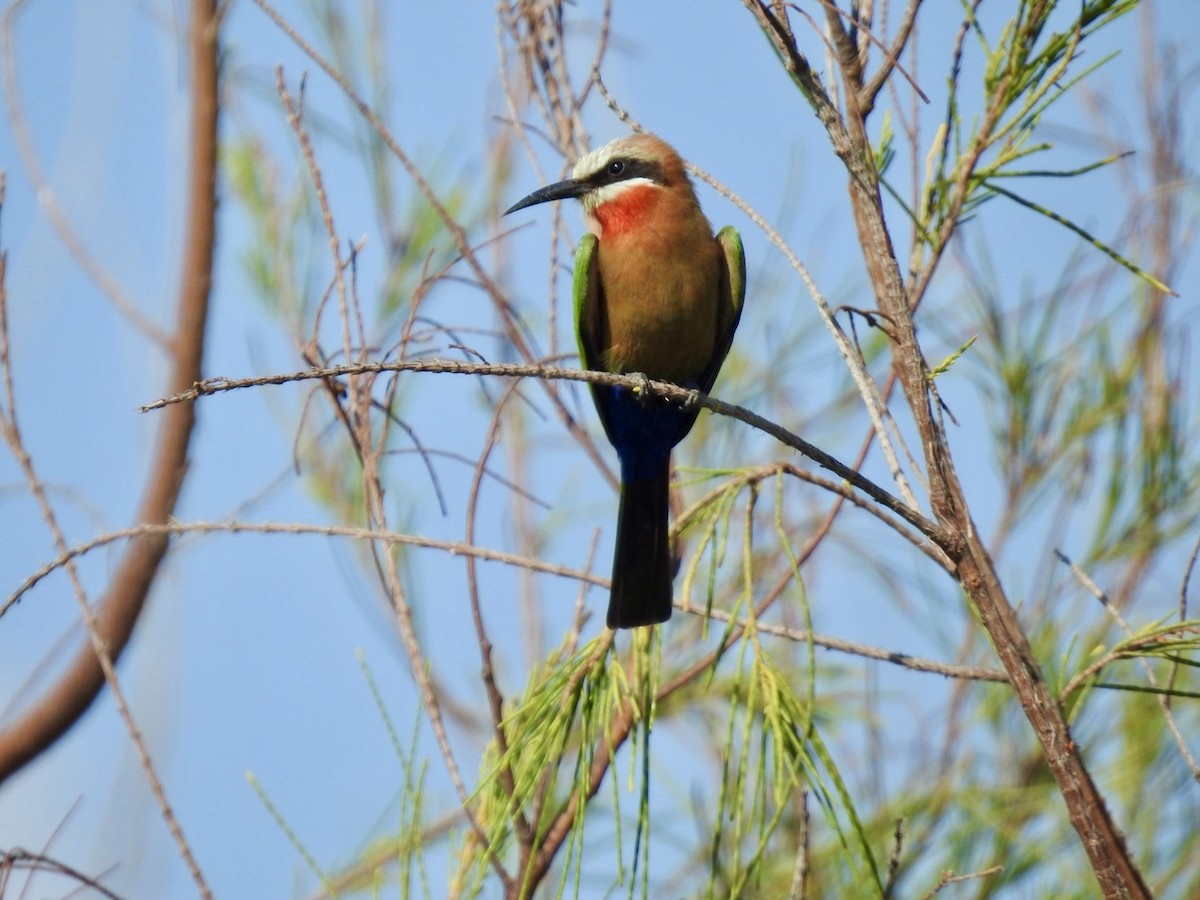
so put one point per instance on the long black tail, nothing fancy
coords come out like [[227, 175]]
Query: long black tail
[[642, 563]]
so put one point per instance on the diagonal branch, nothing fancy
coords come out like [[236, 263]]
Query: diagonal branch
[[635, 382]]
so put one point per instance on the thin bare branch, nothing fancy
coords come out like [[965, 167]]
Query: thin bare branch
[[513, 370]]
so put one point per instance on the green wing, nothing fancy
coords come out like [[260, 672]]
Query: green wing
[[585, 290], [589, 305], [733, 295]]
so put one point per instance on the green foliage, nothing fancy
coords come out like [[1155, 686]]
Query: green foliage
[[280, 260], [773, 753], [553, 735], [1026, 72]]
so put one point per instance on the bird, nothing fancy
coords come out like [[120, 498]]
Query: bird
[[656, 294]]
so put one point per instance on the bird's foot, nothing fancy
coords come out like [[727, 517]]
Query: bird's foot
[[692, 400], [642, 389]]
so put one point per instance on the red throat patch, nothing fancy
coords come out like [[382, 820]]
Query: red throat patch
[[624, 212]]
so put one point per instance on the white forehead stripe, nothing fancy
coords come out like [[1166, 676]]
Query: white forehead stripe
[[591, 163]]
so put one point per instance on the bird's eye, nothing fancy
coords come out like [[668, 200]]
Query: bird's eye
[[616, 167]]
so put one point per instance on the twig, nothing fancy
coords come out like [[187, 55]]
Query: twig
[[870, 90], [799, 886], [915, 663], [38, 862], [296, 122], [894, 857], [949, 878]]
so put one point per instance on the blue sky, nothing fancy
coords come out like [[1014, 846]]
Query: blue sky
[[247, 656]]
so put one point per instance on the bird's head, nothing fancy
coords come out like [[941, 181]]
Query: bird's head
[[619, 180]]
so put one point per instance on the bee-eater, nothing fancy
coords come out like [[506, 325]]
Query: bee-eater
[[657, 294]]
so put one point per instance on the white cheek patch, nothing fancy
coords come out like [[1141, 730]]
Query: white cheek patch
[[610, 192]]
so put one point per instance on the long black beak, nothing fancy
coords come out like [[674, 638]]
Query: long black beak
[[561, 190]]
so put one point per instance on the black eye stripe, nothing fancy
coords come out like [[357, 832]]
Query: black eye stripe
[[624, 168]]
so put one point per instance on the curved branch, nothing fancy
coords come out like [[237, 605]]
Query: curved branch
[[119, 608], [174, 528]]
